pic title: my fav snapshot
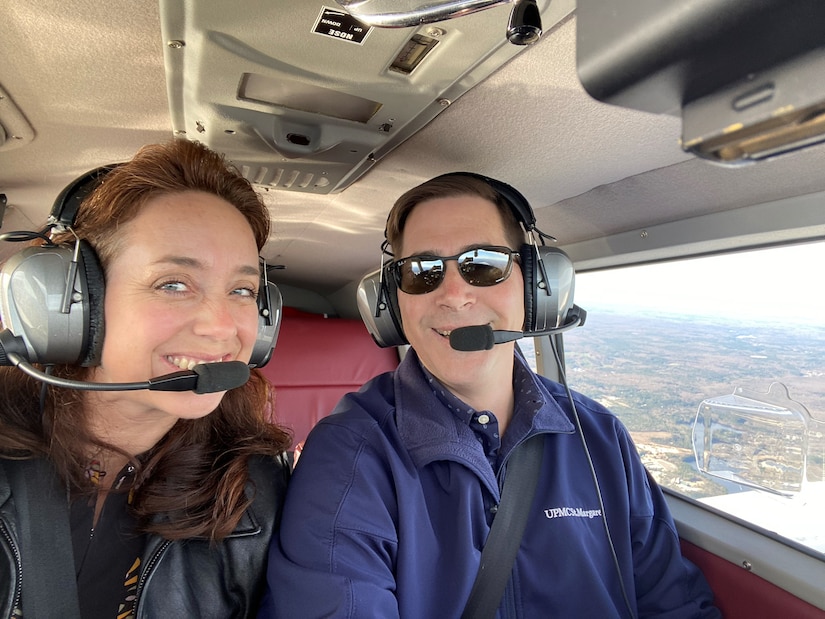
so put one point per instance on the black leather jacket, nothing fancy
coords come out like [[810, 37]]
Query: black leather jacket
[[183, 579]]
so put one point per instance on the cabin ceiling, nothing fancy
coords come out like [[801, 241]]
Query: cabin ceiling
[[88, 87]]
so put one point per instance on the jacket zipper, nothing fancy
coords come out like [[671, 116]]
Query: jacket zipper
[[146, 572], [18, 589]]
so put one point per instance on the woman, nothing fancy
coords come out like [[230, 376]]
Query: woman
[[173, 496]]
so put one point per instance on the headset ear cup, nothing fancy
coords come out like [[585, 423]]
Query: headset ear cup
[[528, 271], [391, 297], [549, 282], [377, 299], [95, 286], [34, 289], [270, 308], [553, 289]]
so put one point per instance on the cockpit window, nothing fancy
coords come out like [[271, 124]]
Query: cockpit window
[[716, 366]]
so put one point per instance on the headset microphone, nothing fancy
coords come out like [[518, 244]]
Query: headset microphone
[[484, 337], [203, 378], [480, 337]]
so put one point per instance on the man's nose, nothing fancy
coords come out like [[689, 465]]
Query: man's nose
[[454, 290]]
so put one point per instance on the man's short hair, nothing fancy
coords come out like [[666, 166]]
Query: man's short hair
[[450, 186]]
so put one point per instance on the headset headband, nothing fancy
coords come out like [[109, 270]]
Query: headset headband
[[67, 203]]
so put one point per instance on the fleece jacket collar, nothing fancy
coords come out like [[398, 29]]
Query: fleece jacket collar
[[431, 432]]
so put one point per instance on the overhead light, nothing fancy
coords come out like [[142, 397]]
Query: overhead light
[[524, 27], [406, 13], [413, 53]]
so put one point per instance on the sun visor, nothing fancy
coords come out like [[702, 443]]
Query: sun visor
[[744, 76], [656, 55]]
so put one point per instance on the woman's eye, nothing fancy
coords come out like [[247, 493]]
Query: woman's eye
[[172, 286], [246, 292]]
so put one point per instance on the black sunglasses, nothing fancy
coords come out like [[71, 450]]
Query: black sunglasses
[[481, 266]]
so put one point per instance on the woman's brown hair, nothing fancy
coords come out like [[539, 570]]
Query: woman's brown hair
[[192, 482]]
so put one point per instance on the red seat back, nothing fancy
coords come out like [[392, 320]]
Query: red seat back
[[740, 594], [315, 362]]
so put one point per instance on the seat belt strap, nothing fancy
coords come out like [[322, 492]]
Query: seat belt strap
[[504, 539]]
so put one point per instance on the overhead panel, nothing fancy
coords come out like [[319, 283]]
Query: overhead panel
[[252, 88]]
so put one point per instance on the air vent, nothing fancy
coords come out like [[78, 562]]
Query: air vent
[[286, 178]]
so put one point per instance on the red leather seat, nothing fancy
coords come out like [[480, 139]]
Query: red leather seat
[[740, 594], [316, 361]]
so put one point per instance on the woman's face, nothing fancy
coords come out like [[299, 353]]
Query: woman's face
[[180, 291]]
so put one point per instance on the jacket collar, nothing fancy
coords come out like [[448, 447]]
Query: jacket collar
[[430, 432]]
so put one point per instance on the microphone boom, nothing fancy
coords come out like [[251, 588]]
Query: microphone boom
[[204, 378], [484, 337]]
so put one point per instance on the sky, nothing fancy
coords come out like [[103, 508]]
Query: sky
[[783, 283]]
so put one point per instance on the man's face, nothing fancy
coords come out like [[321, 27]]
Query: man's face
[[445, 227]]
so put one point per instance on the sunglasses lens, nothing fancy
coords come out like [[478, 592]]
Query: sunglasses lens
[[478, 267], [485, 267], [419, 275]]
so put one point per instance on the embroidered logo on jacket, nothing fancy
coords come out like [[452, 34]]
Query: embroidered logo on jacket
[[571, 512]]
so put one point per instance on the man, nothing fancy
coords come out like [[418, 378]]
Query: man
[[391, 505]]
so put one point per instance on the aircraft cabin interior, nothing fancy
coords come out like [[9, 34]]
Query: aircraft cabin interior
[[674, 150]]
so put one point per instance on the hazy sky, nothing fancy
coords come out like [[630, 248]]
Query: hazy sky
[[784, 283]]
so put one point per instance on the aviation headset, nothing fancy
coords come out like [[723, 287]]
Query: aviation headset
[[51, 296], [548, 280]]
